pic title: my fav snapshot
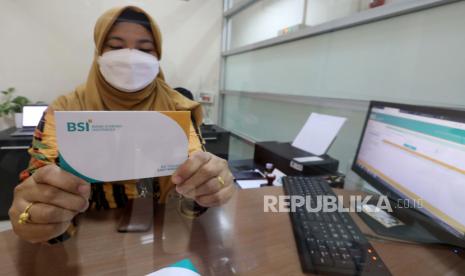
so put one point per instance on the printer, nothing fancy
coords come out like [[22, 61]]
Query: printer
[[282, 156]]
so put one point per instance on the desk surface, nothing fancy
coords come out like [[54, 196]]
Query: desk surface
[[237, 239]]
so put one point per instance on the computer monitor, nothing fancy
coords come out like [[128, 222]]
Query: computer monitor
[[32, 114], [417, 154]]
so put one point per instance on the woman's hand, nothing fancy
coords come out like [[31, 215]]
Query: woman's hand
[[58, 196], [200, 178]]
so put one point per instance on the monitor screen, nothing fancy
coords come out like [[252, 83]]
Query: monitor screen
[[417, 153], [32, 115]]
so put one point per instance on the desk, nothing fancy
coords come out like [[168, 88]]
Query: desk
[[238, 238]]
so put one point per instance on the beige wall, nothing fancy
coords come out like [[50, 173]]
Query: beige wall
[[46, 46]]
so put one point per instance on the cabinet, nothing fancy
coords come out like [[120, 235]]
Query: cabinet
[[216, 140], [13, 159]]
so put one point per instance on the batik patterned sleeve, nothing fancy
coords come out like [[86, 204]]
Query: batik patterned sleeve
[[43, 151]]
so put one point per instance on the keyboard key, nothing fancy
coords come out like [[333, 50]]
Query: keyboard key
[[349, 265], [324, 261], [335, 218]]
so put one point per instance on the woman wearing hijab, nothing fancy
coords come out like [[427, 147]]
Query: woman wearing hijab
[[125, 75]]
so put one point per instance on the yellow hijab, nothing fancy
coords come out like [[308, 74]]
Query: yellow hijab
[[97, 94]]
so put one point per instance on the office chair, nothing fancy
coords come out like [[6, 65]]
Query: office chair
[[186, 93]]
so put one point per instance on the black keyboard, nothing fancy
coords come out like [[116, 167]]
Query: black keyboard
[[329, 242]]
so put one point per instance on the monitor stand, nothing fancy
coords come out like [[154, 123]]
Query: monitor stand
[[418, 228]]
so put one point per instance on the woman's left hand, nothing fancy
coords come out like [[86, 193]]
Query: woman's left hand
[[205, 178]]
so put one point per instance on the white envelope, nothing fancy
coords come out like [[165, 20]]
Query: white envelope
[[104, 146]]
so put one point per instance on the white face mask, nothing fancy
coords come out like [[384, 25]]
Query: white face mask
[[128, 70]]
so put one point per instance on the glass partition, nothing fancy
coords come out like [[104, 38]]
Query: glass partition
[[399, 59], [270, 91]]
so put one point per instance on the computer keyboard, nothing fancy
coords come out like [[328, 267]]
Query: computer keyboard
[[329, 242]]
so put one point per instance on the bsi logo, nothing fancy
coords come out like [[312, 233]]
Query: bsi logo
[[78, 126]]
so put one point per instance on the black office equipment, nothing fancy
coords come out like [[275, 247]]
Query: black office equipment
[[248, 175], [13, 159], [415, 155], [216, 140], [329, 242], [282, 155]]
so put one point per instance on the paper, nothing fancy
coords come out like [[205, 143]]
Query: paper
[[279, 175], [381, 216], [308, 159], [181, 268], [105, 146], [318, 133], [251, 184], [256, 183]]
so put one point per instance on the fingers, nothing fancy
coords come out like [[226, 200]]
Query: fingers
[[210, 187], [198, 179], [54, 176], [43, 193], [216, 199], [190, 167], [38, 232], [57, 196], [40, 213], [208, 172], [31, 231]]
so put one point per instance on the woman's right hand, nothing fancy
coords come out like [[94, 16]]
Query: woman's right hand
[[58, 197]]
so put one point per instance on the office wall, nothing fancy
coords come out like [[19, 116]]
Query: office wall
[[47, 46], [416, 58], [321, 11], [265, 18]]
